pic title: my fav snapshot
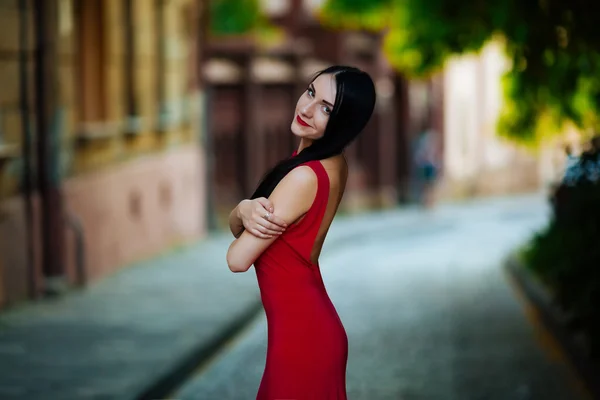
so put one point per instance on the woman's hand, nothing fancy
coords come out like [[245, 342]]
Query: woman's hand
[[258, 219]]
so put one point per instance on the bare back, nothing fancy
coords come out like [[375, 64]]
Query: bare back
[[337, 169]]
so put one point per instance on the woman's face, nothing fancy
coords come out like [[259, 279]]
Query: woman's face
[[314, 107]]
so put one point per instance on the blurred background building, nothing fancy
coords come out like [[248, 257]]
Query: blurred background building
[[124, 130], [101, 115], [253, 89]]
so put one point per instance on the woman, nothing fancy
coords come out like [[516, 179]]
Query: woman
[[307, 344]]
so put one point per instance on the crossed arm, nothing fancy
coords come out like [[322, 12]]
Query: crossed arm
[[250, 215], [292, 198]]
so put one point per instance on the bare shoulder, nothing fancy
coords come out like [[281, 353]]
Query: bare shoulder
[[301, 177], [295, 193], [299, 182]]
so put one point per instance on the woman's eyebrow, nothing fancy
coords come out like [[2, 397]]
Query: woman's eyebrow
[[312, 87]]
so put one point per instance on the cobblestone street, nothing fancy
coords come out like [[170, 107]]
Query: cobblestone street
[[429, 313]]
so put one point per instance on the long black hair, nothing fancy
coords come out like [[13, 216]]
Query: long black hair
[[354, 104]]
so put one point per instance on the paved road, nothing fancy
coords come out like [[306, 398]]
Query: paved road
[[429, 315]]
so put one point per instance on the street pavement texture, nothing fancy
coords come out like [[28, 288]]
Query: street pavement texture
[[117, 338], [429, 312]]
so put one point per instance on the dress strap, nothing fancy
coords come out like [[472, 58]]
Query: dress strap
[[307, 229]]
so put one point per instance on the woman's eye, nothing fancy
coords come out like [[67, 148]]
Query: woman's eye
[[327, 110], [310, 92]]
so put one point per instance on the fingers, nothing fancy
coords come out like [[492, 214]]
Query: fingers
[[266, 203], [259, 234], [266, 230], [272, 223], [276, 223], [265, 211], [270, 229], [264, 233]]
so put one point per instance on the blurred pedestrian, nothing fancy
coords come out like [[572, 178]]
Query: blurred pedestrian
[[426, 164], [307, 344]]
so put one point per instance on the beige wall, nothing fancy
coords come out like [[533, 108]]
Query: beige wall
[[476, 160], [135, 210]]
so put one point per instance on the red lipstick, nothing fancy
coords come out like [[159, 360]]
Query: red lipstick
[[300, 121]]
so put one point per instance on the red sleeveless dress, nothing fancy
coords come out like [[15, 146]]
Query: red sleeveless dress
[[307, 344]]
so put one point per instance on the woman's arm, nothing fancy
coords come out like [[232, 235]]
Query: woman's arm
[[250, 215], [292, 197], [235, 221]]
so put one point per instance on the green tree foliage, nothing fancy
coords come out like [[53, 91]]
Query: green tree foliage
[[242, 17], [553, 46], [359, 14], [235, 17]]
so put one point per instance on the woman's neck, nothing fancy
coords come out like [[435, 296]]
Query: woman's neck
[[304, 143]]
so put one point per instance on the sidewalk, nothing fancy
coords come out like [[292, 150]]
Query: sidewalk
[[135, 334], [138, 333]]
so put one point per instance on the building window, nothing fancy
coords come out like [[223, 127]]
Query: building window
[[131, 108], [161, 65], [91, 60]]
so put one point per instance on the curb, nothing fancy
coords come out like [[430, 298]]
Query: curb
[[184, 368], [556, 323]]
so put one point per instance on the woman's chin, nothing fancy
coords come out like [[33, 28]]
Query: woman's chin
[[303, 133], [297, 131]]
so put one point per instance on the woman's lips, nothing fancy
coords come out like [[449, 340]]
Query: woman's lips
[[300, 121]]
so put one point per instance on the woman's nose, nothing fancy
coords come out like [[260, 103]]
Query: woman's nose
[[307, 110]]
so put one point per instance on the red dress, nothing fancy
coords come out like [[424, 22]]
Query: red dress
[[307, 344]]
